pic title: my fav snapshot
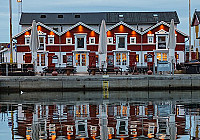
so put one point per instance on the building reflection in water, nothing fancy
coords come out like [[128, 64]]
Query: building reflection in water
[[102, 120]]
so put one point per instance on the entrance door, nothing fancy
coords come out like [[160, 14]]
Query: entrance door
[[121, 60], [81, 62], [41, 61]]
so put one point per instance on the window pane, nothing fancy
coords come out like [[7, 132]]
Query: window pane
[[159, 56], [42, 60], [38, 60], [124, 59], [121, 43], [118, 59], [110, 60], [164, 57], [83, 59], [77, 59], [80, 42], [137, 57], [41, 39]]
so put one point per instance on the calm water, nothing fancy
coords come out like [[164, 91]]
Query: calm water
[[100, 115]]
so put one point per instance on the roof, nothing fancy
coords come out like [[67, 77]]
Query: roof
[[97, 17], [166, 24], [198, 14], [29, 28], [196, 18]]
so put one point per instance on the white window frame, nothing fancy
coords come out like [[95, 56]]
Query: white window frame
[[162, 33], [83, 35], [69, 39], [90, 40], [108, 40], [166, 39], [134, 40], [44, 43], [27, 37], [121, 35], [49, 39], [150, 36]]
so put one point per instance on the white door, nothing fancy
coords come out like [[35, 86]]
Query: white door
[[81, 62], [41, 61], [121, 60]]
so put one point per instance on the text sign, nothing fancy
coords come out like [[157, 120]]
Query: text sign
[[164, 66], [54, 59]]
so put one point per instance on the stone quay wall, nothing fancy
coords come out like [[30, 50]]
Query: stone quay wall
[[99, 83]]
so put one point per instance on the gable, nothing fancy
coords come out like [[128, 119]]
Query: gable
[[122, 27], [162, 25], [40, 27], [80, 25]]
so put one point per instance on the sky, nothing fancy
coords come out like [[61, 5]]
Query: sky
[[181, 6]]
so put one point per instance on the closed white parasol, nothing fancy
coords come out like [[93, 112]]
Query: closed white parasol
[[34, 44], [102, 50]]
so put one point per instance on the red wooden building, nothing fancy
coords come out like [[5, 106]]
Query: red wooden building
[[75, 43]]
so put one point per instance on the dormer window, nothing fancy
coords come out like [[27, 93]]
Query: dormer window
[[60, 16], [77, 16], [43, 16]]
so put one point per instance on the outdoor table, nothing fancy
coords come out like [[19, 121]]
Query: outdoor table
[[69, 70], [93, 70]]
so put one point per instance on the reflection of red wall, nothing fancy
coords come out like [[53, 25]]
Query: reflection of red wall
[[93, 120]]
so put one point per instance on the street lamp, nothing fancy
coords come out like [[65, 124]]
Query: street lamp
[[10, 9], [190, 53]]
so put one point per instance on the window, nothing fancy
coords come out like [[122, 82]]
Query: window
[[150, 39], [110, 60], [60, 16], [177, 56], [77, 16], [42, 59], [121, 59], [80, 43], [27, 39], [121, 42], [64, 59], [42, 42], [50, 39], [92, 40], [118, 59], [68, 41], [43, 16], [132, 40], [137, 57], [110, 40], [124, 59], [162, 56], [162, 42], [145, 58]]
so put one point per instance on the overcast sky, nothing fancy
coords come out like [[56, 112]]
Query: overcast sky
[[181, 6]]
